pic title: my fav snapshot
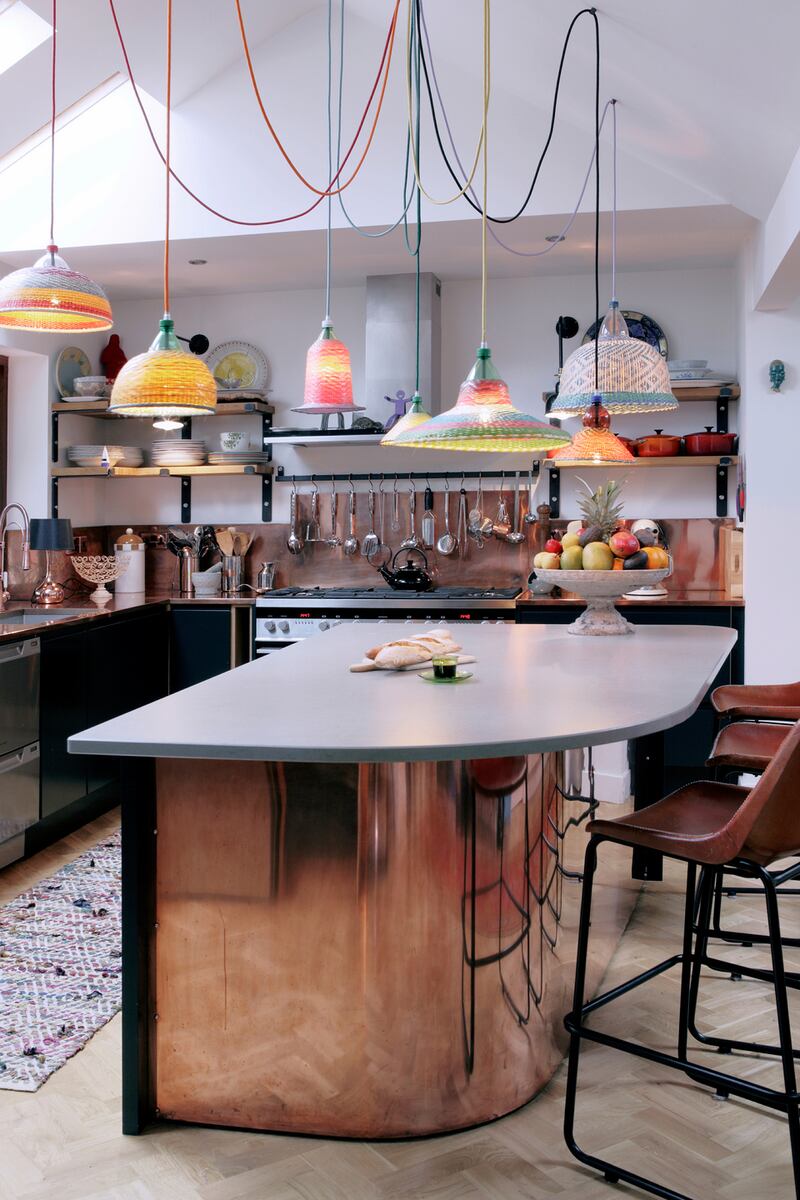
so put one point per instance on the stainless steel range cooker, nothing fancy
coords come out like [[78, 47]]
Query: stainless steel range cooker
[[289, 615]]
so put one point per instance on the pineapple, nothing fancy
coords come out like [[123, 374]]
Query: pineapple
[[601, 508]]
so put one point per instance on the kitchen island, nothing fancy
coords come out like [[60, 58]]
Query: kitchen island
[[349, 899]]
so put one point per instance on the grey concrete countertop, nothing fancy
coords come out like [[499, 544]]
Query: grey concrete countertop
[[534, 688]]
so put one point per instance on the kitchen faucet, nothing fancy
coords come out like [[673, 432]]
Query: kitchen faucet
[[5, 595]]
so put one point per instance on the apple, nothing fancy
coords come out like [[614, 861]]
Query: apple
[[597, 556], [623, 543], [570, 539], [553, 546], [572, 558], [547, 561]]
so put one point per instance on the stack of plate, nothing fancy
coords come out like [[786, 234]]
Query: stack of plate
[[178, 452], [118, 456], [681, 369], [242, 457]]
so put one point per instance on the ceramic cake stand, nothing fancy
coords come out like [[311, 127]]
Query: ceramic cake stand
[[600, 590]]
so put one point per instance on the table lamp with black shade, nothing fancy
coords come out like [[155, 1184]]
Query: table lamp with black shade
[[49, 534]]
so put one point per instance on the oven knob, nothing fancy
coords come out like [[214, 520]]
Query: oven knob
[[270, 626], [323, 625], [485, 621], [283, 626]]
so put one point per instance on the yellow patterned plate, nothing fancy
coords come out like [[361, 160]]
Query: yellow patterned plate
[[238, 366]]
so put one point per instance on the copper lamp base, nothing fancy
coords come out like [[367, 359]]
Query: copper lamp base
[[49, 591]]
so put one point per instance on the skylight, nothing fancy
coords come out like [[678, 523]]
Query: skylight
[[21, 30]]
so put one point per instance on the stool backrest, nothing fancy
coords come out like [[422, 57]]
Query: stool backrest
[[767, 825]]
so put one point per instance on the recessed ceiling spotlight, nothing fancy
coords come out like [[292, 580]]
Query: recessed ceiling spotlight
[[555, 237], [197, 262]]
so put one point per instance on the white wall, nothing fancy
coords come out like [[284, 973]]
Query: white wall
[[770, 427], [697, 310]]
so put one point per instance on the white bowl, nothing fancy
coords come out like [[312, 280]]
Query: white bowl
[[233, 439], [90, 385], [600, 589], [687, 364]]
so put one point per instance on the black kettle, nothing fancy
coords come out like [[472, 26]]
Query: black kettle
[[408, 578]]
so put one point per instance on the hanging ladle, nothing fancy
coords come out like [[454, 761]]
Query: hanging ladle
[[447, 544]]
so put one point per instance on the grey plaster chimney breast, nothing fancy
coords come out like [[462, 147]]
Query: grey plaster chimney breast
[[390, 341]]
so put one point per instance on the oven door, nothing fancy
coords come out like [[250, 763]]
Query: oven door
[[263, 648]]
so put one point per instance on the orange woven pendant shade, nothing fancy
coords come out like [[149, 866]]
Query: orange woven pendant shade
[[595, 443], [50, 298], [164, 382]]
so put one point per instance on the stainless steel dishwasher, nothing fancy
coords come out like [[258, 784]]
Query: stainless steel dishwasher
[[19, 745]]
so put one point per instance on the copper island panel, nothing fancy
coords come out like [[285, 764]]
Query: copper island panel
[[374, 950]]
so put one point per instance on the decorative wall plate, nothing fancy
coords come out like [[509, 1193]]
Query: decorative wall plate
[[639, 326], [238, 367], [71, 363]]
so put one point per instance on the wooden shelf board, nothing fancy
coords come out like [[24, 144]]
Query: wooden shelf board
[[99, 408], [58, 472], [683, 394], [683, 460]]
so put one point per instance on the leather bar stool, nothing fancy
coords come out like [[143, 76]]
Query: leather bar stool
[[746, 746], [713, 826], [757, 702]]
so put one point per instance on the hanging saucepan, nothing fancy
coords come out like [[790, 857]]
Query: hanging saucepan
[[658, 445], [710, 442]]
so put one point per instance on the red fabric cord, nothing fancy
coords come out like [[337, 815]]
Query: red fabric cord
[[383, 68]]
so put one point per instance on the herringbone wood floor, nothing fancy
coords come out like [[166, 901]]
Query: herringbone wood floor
[[63, 1143]]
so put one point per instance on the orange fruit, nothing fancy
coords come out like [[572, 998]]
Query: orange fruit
[[657, 557], [619, 564]]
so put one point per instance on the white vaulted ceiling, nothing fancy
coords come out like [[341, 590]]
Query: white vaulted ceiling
[[708, 96]]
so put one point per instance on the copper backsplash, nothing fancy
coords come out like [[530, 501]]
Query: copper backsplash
[[694, 542]]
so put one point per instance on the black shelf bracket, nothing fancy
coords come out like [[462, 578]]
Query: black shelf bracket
[[721, 485], [186, 498], [723, 401], [186, 431], [554, 493], [266, 499], [54, 496], [54, 437], [266, 443]]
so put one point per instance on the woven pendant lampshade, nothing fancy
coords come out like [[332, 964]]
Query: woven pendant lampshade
[[595, 443], [631, 374], [50, 298], [415, 416], [164, 382], [329, 379], [483, 418]]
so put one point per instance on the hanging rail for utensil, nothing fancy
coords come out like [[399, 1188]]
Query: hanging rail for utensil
[[282, 476]]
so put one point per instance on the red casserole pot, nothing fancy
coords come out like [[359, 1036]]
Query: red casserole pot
[[659, 445], [710, 442], [629, 443]]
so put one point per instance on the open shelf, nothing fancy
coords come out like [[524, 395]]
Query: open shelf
[[176, 472], [317, 437], [730, 391], [99, 408], [681, 460]]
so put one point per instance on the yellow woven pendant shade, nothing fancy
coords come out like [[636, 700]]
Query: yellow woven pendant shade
[[415, 416], [164, 382]]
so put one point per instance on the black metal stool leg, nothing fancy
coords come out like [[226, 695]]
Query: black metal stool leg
[[589, 867], [784, 1023], [686, 959]]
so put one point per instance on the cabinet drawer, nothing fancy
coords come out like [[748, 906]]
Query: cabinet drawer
[[19, 800]]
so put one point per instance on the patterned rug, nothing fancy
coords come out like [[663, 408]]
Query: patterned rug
[[60, 966]]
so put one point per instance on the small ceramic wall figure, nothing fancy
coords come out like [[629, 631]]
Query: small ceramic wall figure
[[777, 374]]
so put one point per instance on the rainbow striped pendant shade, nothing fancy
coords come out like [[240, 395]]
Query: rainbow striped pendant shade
[[50, 298], [631, 374], [483, 418], [329, 379], [164, 382]]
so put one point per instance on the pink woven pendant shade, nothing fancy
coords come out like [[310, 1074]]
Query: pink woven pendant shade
[[329, 380]]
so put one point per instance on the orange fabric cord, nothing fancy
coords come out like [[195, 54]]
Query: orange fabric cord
[[208, 207], [331, 191]]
